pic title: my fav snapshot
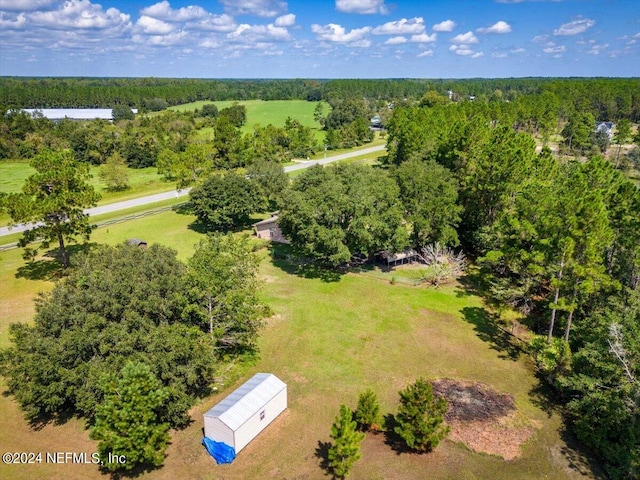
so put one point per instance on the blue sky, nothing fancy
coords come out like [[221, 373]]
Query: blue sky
[[320, 38]]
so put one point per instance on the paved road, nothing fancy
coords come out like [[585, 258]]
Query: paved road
[[158, 197]]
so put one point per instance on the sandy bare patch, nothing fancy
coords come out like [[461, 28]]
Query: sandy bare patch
[[483, 419]]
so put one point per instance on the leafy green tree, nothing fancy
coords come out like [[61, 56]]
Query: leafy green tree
[[345, 450], [122, 112], [114, 173], [433, 98], [127, 422], [603, 386], [367, 414], [191, 165], [117, 304], [223, 291], [53, 199], [420, 417], [270, 179], [333, 213], [429, 194], [236, 114], [225, 201], [209, 110]]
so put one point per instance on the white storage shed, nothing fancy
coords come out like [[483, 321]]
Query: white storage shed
[[245, 412]]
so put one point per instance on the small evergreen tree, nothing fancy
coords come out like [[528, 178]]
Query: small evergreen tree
[[420, 417], [345, 451], [367, 414], [127, 422]]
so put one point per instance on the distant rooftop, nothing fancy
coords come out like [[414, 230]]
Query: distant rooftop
[[75, 113]]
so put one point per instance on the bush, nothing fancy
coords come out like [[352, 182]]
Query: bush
[[367, 414]]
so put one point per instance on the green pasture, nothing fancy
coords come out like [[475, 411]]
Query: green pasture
[[265, 112], [142, 181], [330, 338]]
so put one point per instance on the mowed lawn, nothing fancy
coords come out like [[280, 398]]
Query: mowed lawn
[[329, 341]]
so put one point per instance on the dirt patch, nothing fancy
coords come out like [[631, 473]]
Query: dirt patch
[[482, 418]]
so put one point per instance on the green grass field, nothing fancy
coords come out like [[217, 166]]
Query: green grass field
[[142, 181], [329, 339], [261, 112]]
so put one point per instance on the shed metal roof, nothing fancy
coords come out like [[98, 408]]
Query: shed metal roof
[[75, 113], [247, 400]]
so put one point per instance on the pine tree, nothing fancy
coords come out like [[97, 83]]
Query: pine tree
[[345, 450], [367, 413], [127, 422], [420, 417]]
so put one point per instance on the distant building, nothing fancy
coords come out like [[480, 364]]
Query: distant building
[[136, 242], [268, 229], [75, 113], [605, 127]]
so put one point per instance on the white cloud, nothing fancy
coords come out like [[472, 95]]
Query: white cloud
[[540, 38], [252, 34], [401, 27], [362, 6], [424, 38], [518, 50], [552, 48], [499, 55], [498, 27], [163, 11], [16, 22], [81, 14], [286, 20], [337, 33], [468, 37], [597, 49], [215, 23], [261, 8], [396, 41], [153, 26], [464, 51], [25, 5], [575, 27], [426, 53], [444, 26]]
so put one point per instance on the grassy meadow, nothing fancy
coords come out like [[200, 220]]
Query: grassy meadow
[[262, 112], [330, 338]]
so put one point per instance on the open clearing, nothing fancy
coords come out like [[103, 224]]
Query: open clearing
[[330, 338]]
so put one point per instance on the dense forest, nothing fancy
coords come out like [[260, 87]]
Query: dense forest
[[607, 99], [514, 172]]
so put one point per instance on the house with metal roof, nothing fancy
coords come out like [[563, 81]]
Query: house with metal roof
[[245, 412]]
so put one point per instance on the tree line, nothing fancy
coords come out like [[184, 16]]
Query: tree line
[[606, 98]]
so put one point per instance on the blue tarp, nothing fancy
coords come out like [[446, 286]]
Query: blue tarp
[[222, 452]]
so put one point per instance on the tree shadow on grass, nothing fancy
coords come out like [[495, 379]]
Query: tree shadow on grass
[[50, 267], [322, 454], [487, 328], [578, 459], [391, 438], [284, 257]]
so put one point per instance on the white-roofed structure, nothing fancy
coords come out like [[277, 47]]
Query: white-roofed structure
[[75, 113], [245, 412]]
